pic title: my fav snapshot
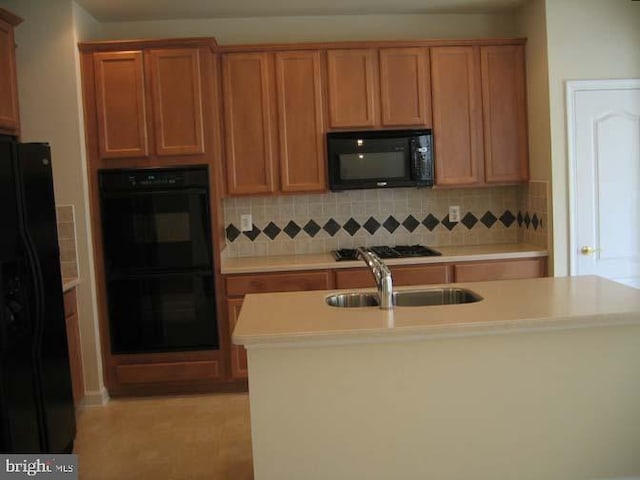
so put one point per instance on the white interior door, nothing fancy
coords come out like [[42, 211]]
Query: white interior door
[[604, 159]]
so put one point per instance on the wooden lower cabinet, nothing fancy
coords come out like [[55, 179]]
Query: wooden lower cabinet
[[500, 270], [401, 275], [238, 359], [73, 344], [238, 286], [167, 372]]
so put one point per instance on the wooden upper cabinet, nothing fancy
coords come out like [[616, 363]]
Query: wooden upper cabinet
[[300, 121], [177, 101], [248, 122], [149, 103], [457, 115], [504, 114], [405, 91], [121, 105], [9, 112], [352, 88], [273, 122]]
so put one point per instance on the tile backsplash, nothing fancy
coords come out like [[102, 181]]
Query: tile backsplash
[[318, 223], [534, 217], [67, 240]]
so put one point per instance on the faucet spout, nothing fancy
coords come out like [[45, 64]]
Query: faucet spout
[[382, 276]]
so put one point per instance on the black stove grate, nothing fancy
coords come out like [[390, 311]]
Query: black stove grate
[[383, 251]]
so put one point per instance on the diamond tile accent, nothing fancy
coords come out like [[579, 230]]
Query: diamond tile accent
[[391, 224], [292, 229], [488, 219], [430, 222], [371, 225], [253, 234], [351, 226], [448, 224], [535, 222], [272, 230], [232, 232], [527, 219], [469, 220], [507, 218], [331, 227], [311, 228], [410, 223], [520, 219]]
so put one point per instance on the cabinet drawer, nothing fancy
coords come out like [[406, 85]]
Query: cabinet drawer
[[70, 304], [401, 275], [500, 270], [167, 372], [277, 282]]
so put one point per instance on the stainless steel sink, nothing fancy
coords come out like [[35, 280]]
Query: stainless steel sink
[[409, 298], [434, 296], [353, 300]]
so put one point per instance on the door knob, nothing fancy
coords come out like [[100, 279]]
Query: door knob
[[587, 250]]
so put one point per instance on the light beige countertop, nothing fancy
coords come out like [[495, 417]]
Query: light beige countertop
[[304, 318], [325, 260], [69, 283]]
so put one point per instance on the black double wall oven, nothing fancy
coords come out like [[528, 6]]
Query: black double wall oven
[[158, 259]]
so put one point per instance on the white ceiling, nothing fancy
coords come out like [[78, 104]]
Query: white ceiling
[[131, 10]]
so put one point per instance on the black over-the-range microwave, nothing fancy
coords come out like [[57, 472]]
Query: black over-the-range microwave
[[380, 159]]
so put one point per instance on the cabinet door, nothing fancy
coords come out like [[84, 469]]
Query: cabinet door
[[457, 115], [248, 122], [9, 113], [177, 101], [405, 87], [504, 114], [500, 270], [238, 285], [300, 121], [120, 103], [352, 88], [238, 352]]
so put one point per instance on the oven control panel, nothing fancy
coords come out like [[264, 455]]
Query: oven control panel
[[113, 180]]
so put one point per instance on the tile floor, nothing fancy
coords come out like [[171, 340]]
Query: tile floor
[[194, 437]]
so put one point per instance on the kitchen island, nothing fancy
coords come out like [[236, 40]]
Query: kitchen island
[[540, 379]]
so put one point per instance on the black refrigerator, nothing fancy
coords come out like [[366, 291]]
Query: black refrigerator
[[36, 404]]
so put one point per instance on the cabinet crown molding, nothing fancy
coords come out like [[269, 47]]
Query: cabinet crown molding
[[10, 18], [120, 45]]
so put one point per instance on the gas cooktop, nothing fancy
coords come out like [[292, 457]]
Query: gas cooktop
[[399, 251]]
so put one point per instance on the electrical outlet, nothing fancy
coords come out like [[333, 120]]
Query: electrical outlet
[[246, 223], [454, 213]]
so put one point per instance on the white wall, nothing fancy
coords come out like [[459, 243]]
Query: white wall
[[587, 39], [321, 28], [50, 111], [531, 23]]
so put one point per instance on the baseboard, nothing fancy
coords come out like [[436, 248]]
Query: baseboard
[[94, 398]]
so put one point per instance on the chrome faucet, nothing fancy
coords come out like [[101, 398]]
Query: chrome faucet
[[381, 274]]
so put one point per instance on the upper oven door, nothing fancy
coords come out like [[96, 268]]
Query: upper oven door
[[156, 228]]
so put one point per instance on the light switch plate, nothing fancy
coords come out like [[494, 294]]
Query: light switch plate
[[246, 223]]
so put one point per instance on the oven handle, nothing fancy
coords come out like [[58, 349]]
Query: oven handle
[[140, 193]]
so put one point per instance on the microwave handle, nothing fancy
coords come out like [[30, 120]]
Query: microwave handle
[[421, 161]]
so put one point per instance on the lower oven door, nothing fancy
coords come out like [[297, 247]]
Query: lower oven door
[[162, 312]]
